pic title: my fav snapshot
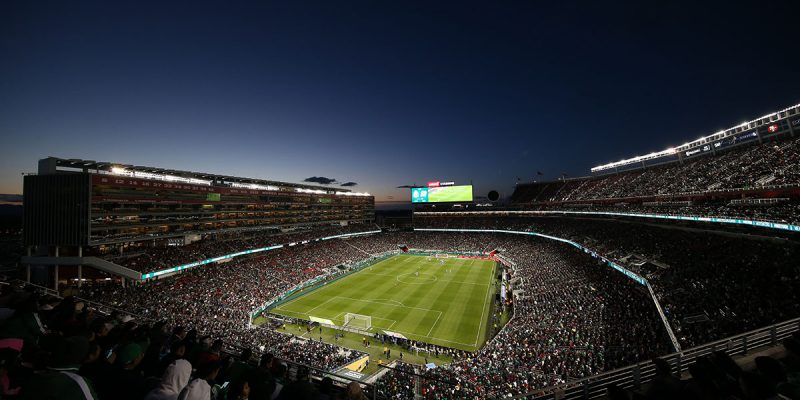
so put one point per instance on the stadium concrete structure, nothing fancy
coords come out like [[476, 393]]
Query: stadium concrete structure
[[571, 287], [79, 207]]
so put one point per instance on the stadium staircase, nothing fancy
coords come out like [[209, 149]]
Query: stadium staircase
[[94, 262]]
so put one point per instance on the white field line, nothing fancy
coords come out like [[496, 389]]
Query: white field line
[[483, 313], [435, 338], [395, 302], [394, 305], [320, 305], [283, 307], [413, 308], [438, 280], [410, 334], [434, 324], [339, 315], [367, 270], [382, 319]]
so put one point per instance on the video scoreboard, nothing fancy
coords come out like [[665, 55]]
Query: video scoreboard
[[441, 192]]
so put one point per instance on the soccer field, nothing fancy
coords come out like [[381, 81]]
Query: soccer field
[[422, 299]]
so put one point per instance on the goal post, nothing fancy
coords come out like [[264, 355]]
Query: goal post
[[358, 321]]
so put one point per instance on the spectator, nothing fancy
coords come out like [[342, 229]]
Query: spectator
[[200, 387], [172, 383], [61, 380]]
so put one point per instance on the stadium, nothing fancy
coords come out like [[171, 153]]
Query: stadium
[[675, 266]]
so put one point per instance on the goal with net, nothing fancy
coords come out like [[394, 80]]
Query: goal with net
[[358, 321]]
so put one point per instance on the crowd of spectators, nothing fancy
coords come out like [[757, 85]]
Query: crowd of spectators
[[573, 318], [63, 349], [718, 376], [772, 163], [398, 382], [143, 257], [780, 212], [712, 285], [218, 299]]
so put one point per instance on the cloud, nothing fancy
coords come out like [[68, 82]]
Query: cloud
[[348, 184], [320, 180], [406, 186]]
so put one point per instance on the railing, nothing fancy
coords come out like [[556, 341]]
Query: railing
[[232, 349], [634, 376], [635, 277], [681, 194], [631, 377], [103, 308], [677, 217]]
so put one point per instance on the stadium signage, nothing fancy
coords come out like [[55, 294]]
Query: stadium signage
[[438, 184], [137, 182], [737, 221], [692, 152], [442, 194], [716, 136], [242, 253], [638, 279], [772, 128], [747, 136]]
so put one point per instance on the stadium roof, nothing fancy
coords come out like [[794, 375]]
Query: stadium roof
[[55, 164], [772, 117]]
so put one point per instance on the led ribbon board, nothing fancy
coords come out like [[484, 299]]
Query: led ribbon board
[[241, 253], [638, 279]]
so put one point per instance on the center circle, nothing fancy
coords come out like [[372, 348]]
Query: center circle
[[412, 279]]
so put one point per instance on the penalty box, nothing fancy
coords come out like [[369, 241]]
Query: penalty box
[[377, 310]]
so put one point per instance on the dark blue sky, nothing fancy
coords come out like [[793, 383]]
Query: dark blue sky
[[383, 93]]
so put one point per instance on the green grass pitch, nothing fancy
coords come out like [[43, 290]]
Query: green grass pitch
[[444, 304]]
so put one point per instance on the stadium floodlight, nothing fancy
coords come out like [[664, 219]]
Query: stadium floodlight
[[352, 194], [312, 191], [253, 186], [686, 146], [162, 177], [359, 321]]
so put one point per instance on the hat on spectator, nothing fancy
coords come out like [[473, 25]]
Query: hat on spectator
[[129, 353]]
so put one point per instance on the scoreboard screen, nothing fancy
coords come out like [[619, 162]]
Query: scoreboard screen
[[442, 194]]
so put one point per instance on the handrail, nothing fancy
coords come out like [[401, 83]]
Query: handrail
[[320, 373], [637, 278], [778, 225], [637, 374], [667, 326], [53, 292]]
